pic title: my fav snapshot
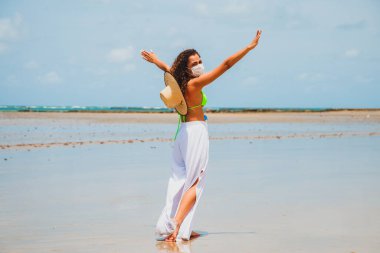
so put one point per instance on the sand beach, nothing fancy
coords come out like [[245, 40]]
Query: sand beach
[[277, 182]]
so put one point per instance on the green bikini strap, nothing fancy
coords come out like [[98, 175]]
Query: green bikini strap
[[179, 122], [194, 106], [204, 99]]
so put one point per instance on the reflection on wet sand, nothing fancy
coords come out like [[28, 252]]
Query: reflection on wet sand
[[222, 233], [178, 246], [185, 246], [181, 246]]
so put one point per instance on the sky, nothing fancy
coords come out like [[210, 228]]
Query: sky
[[322, 53]]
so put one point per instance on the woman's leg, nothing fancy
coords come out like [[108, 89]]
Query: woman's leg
[[187, 203], [185, 206]]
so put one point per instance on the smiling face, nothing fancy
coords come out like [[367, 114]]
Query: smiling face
[[193, 61]]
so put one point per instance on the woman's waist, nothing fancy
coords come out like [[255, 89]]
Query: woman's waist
[[191, 118], [195, 122]]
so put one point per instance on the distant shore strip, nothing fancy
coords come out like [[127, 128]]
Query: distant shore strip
[[118, 109]]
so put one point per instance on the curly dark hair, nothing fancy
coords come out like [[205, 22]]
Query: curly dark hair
[[179, 68]]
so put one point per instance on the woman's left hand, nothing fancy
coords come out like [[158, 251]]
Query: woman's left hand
[[255, 41]]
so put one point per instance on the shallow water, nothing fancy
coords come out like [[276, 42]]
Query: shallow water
[[51, 131], [280, 195]]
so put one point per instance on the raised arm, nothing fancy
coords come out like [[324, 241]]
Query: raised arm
[[206, 78], [152, 57]]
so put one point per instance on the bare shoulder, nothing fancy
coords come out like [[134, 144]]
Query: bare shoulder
[[192, 86]]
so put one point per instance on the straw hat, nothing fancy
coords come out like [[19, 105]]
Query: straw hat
[[172, 95]]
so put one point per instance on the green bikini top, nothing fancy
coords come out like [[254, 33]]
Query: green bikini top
[[183, 117], [204, 102]]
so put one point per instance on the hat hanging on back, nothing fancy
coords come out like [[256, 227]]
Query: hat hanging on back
[[172, 95]]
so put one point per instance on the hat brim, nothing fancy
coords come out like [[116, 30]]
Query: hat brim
[[170, 81]]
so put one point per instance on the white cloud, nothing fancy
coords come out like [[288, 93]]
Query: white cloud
[[10, 27], [11, 78], [352, 53], [31, 65], [363, 79], [311, 82], [129, 67], [236, 8], [3, 47], [101, 1], [121, 54], [360, 24], [302, 76], [313, 77], [99, 71], [250, 80], [50, 77], [202, 8], [172, 31], [178, 43]]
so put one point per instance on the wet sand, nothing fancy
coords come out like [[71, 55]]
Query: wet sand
[[314, 189], [248, 117], [26, 130]]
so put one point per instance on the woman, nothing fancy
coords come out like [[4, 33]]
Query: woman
[[190, 151]]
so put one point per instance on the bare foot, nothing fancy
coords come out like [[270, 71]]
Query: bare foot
[[172, 237], [194, 235]]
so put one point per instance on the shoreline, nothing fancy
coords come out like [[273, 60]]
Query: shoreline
[[57, 129], [343, 116], [154, 110]]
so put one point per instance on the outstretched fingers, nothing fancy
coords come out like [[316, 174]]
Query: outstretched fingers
[[258, 34], [146, 56]]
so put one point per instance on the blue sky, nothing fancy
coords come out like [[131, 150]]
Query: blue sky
[[86, 52]]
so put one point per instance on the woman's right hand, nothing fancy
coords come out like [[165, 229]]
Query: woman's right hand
[[149, 56], [255, 41], [152, 57]]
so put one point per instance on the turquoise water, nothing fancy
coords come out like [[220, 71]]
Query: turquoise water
[[42, 108], [38, 108]]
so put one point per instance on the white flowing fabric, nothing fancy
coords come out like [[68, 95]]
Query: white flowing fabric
[[189, 161]]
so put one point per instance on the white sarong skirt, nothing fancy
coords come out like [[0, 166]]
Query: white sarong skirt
[[189, 161]]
